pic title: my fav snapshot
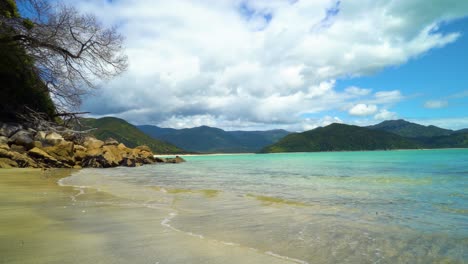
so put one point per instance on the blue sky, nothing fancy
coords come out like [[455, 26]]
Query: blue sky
[[439, 75], [258, 64]]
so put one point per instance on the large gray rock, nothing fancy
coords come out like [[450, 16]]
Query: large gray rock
[[22, 138], [8, 129]]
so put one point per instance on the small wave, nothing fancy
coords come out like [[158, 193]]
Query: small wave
[[275, 200], [286, 258], [209, 193]]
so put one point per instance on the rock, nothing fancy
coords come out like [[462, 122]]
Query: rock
[[40, 136], [143, 148], [46, 159], [128, 162], [23, 161], [93, 162], [92, 143], [121, 146], [37, 144], [22, 138], [53, 138], [8, 129], [111, 141], [7, 163], [113, 156], [177, 159], [4, 143], [159, 160], [63, 151], [80, 153], [77, 167], [18, 148]]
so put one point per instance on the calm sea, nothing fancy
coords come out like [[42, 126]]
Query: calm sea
[[335, 207]]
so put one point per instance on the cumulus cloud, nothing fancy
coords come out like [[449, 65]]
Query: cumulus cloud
[[259, 63], [436, 104], [384, 114], [362, 110]]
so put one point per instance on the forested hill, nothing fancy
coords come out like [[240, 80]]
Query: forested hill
[[126, 133], [340, 137], [408, 129]]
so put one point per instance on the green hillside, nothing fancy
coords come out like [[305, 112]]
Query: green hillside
[[340, 137], [207, 139], [456, 140], [126, 133], [411, 130]]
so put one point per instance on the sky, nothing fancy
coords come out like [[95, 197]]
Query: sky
[[296, 65]]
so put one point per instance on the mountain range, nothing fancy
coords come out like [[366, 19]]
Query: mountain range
[[392, 134], [205, 139]]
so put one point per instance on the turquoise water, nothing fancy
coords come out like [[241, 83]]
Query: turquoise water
[[335, 207]]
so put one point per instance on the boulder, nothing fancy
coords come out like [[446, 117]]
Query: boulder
[[177, 159], [159, 160], [18, 148], [46, 159], [113, 156], [37, 144], [63, 151], [111, 141], [121, 146], [4, 143], [23, 161], [40, 136], [8, 129], [80, 153], [143, 148], [93, 162], [7, 163], [92, 143], [22, 138], [53, 139]]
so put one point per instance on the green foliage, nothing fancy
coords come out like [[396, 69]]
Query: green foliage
[[340, 137], [9, 9], [28, 24], [128, 134], [210, 140], [21, 86], [412, 130]]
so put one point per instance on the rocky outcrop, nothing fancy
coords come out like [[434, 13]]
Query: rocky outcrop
[[22, 147]]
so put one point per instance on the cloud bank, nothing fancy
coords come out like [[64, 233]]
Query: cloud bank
[[261, 64]]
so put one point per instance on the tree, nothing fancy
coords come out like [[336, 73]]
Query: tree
[[70, 52]]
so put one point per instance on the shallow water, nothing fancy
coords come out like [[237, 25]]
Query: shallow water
[[340, 207]]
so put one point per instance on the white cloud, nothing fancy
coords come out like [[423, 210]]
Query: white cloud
[[436, 104], [384, 114], [363, 110], [259, 62]]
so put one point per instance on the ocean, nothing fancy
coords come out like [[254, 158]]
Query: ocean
[[408, 206]]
